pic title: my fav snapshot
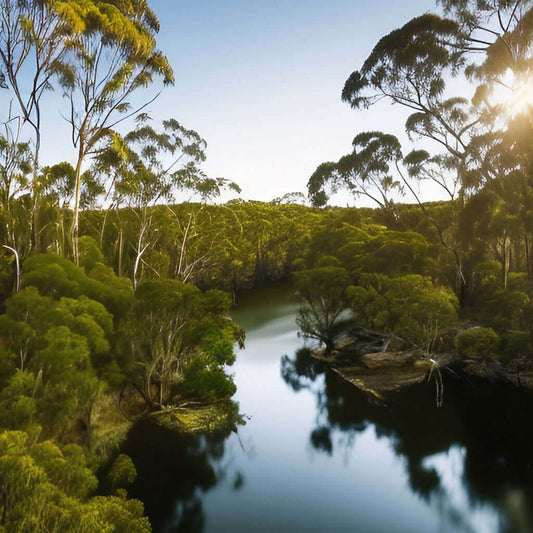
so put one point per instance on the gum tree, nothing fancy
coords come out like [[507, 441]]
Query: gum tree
[[107, 62]]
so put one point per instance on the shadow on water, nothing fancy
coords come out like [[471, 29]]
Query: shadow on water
[[488, 426], [173, 471], [263, 305]]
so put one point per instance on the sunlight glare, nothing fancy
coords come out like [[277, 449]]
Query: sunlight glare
[[515, 94]]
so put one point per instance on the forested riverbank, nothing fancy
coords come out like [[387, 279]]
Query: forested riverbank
[[85, 351]]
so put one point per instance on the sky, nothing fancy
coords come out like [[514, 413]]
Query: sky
[[260, 80]]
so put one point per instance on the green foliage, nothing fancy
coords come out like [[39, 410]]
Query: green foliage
[[121, 474], [366, 171], [45, 488], [516, 344], [65, 468], [18, 407], [321, 293], [502, 308], [205, 381], [56, 276], [58, 354], [55, 353], [416, 52], [90, 254], [30, 316], [410, 308], [179, 341], [68, 384], [477, 342], [116, 293], [116, 513], [228, 247]]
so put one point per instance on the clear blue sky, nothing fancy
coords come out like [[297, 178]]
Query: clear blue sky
[[260, 80]]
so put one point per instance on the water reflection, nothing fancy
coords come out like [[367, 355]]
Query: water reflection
[[173, 472], [470, 460], [317, 455]]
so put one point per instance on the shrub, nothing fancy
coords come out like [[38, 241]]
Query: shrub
[[516, 343], [477, 342]]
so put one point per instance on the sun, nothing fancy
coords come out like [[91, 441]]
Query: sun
[[521, 100], [514, 94]]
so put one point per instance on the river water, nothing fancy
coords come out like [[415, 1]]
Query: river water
[[317, 455]]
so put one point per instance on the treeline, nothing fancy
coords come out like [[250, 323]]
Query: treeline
[[242, 244]]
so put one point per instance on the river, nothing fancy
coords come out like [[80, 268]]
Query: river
[[317, 455]]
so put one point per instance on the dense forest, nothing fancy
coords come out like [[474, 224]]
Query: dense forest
[[115, 299]]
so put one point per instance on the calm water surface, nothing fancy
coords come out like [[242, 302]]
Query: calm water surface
[[317, 455]]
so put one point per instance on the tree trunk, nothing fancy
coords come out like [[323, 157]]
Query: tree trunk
[[17, 265], [529, 257], [74, 230]]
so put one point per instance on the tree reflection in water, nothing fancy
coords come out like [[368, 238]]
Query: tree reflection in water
[[173, 470], [487, 428]]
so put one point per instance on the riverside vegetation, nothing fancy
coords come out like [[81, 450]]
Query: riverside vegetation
[[112, 293]]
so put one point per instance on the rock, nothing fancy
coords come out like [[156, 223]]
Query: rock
[[385, 379], [389, 359], [381, 372], [517, 372]]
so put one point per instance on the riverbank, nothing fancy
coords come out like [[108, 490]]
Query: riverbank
[[379, 373], [114, 418]]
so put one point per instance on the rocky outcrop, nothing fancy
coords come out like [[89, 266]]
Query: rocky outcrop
[[518, 371], [378, 360], [381, 372]]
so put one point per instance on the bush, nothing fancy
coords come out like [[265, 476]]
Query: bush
[[516, 343], [477, 342]]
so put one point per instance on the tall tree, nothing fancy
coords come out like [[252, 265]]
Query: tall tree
[[113, 57], [486, 43], [33, 43], [366, 171], [15, 167]]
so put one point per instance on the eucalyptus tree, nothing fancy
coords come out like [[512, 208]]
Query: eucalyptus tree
[[15, 168], [113, 56], [500, 32], [366, 171], [149, 165], [376, 168], [33, 43], [323, 303], [412, 65], [486, 43], [409, 309], [178, 341], [409, 67]]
